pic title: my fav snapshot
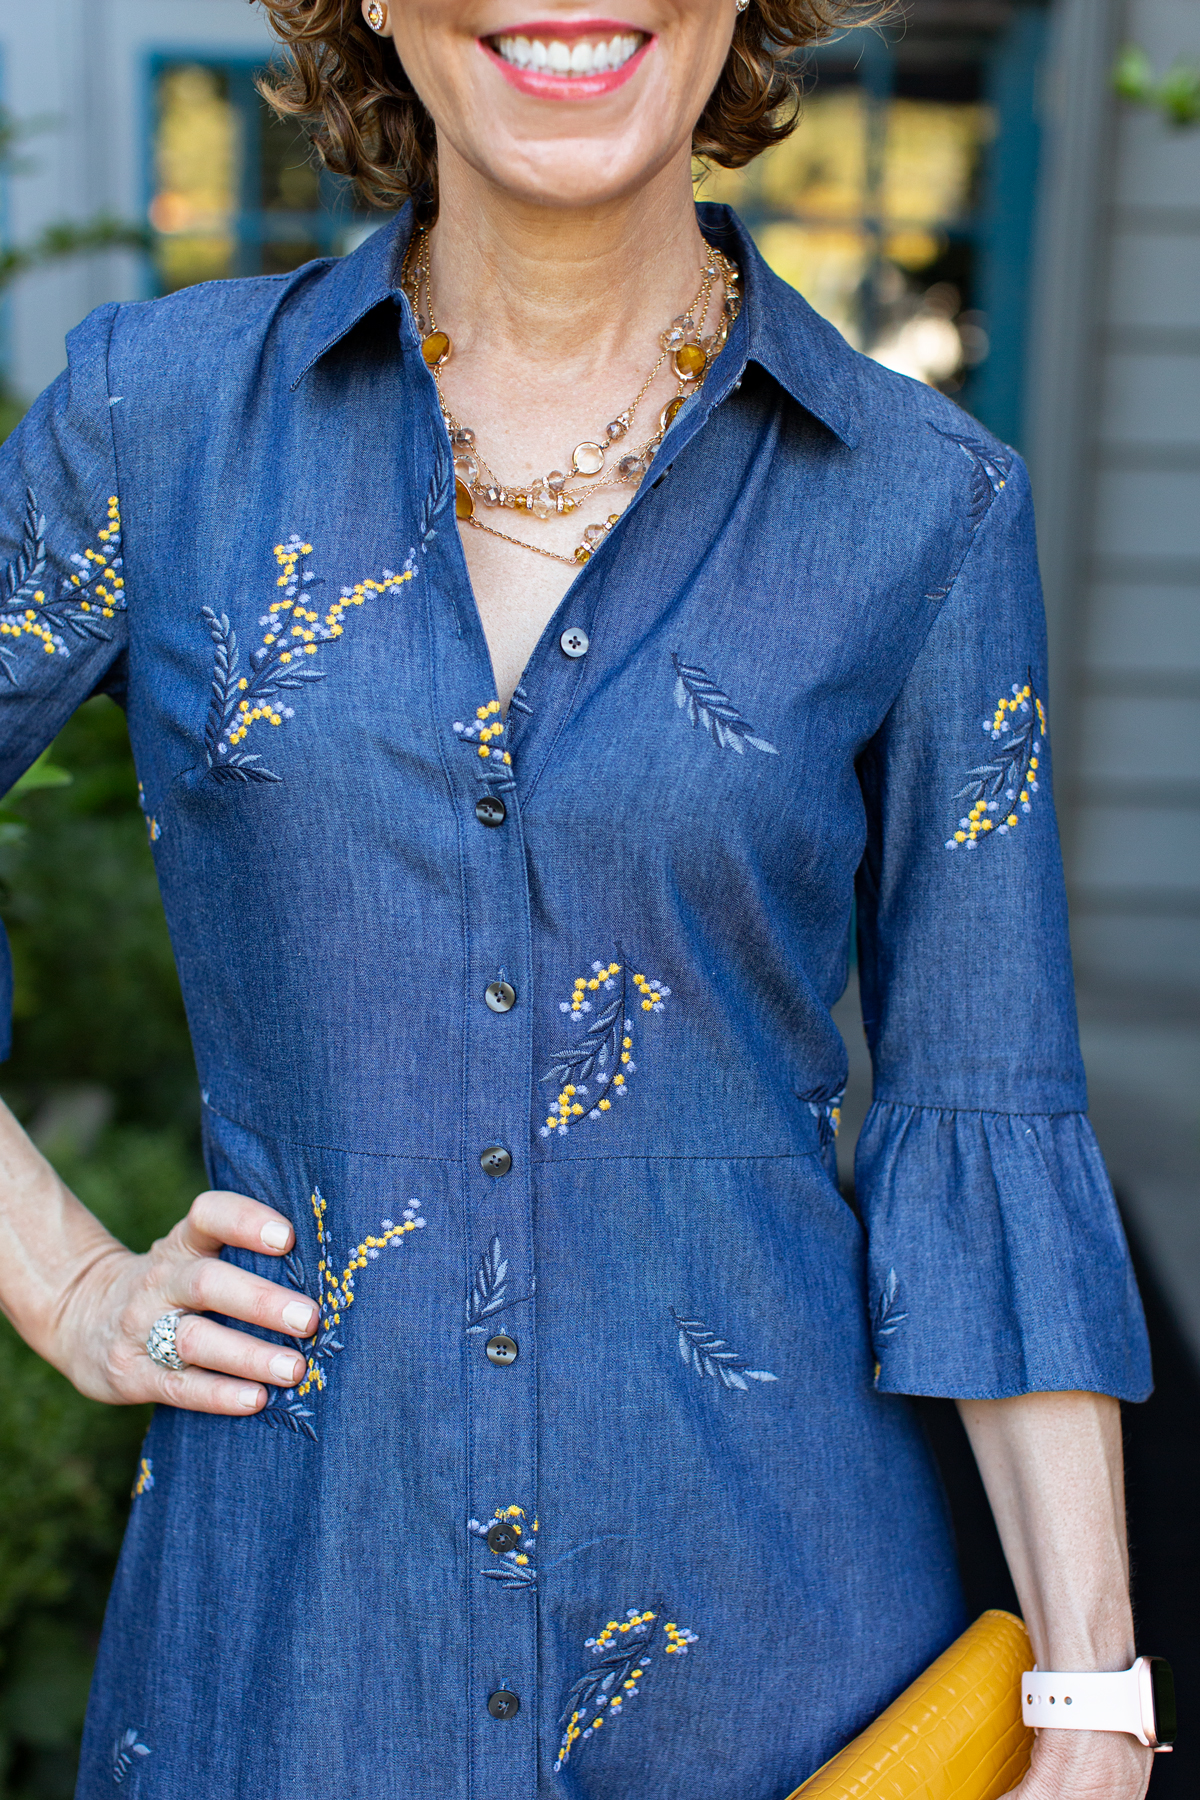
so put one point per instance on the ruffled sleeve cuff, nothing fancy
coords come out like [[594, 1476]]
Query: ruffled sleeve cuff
[[997, 1262]]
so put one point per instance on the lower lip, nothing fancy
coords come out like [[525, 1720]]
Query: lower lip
[[545, 86]]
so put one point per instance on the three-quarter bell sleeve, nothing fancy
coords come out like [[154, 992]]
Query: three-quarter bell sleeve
[[997, 1261], [62, 599]]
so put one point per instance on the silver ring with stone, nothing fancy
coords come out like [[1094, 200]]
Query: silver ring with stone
[[160, 1343]]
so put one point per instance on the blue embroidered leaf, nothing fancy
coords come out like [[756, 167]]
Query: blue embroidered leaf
[[24, 574], [436, 497], [488, 1293], [512, 1574], [128, 1745], [888, 1317], [706, 705], [990, 469], [599, 1048], [283, 1409], [700, 1349]]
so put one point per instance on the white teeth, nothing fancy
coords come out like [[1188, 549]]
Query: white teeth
[[581, 58]]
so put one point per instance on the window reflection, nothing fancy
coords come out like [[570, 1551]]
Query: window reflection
[[869, 209]]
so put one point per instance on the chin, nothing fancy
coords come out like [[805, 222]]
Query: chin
[[578, 111]]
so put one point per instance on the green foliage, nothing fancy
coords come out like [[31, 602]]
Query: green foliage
[[99, 1035], [66, 237], [1176, 95], [96, 996]]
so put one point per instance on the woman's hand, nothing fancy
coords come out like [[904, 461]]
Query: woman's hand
[[1086, 1765], [105, 1314]]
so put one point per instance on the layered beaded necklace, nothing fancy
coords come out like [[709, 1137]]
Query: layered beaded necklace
[[691, 355]]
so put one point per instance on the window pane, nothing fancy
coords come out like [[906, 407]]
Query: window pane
[[867, 209], [197, 156]]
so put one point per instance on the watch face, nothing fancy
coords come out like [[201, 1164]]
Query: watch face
[[1162, 1683]]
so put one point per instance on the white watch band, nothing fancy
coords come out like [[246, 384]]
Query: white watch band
[[1123, 1701]]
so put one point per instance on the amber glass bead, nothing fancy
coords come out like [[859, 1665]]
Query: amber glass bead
[[582, 554], [667, 415], [464, 501], [689, 361], [435, 348]]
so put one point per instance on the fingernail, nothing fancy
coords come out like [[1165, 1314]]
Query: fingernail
[[286, 1368], [249, 1397], [298, 1314], [276, 1237]]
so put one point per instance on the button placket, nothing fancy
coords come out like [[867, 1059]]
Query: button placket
[[500, 1388]]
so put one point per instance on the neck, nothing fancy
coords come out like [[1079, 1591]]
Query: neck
[[561, 284]]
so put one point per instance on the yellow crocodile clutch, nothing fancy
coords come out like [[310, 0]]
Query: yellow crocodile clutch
[[955, 1734]]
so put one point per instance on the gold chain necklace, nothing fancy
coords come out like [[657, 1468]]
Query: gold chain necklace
[[691, 354]]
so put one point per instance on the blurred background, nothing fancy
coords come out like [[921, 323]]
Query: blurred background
[[998, 197]]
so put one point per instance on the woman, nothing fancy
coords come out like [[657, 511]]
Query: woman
[[533, 1409]]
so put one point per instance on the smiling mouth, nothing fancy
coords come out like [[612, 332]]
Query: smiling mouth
[[583, 56]]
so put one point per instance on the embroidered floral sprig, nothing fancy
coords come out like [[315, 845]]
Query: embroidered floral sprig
[[706, 1353], [489, 1291], [296, 632], [144, 1479], [706, 705], [94, 592], [603, 1693], [335, 1296], [827, 1111], [128, 1745], [604, 1056], [513, 1568], [483, 734], [153, 828], [997, 789]]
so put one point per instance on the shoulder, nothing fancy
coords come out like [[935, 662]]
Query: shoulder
[[904, 437], [214, 326]]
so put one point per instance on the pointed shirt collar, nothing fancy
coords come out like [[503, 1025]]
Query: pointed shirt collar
[[809, 359]]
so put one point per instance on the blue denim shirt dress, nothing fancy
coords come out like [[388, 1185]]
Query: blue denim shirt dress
[[605, 1412]]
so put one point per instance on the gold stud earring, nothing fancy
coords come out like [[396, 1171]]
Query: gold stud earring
[[741, 5], [376, 16]]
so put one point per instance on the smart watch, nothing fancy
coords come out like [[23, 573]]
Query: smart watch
[[1140, 1700]]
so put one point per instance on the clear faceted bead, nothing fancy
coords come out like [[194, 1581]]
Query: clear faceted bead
[[491, 495], [680, 331], [631, 468], [462, 438], [616, 428], [466, 468], [556, 481], [541, 502], [592, 534]]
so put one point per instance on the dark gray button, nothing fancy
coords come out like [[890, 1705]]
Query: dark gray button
[[496, 1161], [573, 642], [491, 810], [502, 1539], [502, 1351], [503, 1704], [500, 996]]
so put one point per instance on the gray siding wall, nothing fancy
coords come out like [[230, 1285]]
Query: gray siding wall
[[1133, 772]]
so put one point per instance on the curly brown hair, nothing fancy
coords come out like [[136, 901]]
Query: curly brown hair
[[345, 83]]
